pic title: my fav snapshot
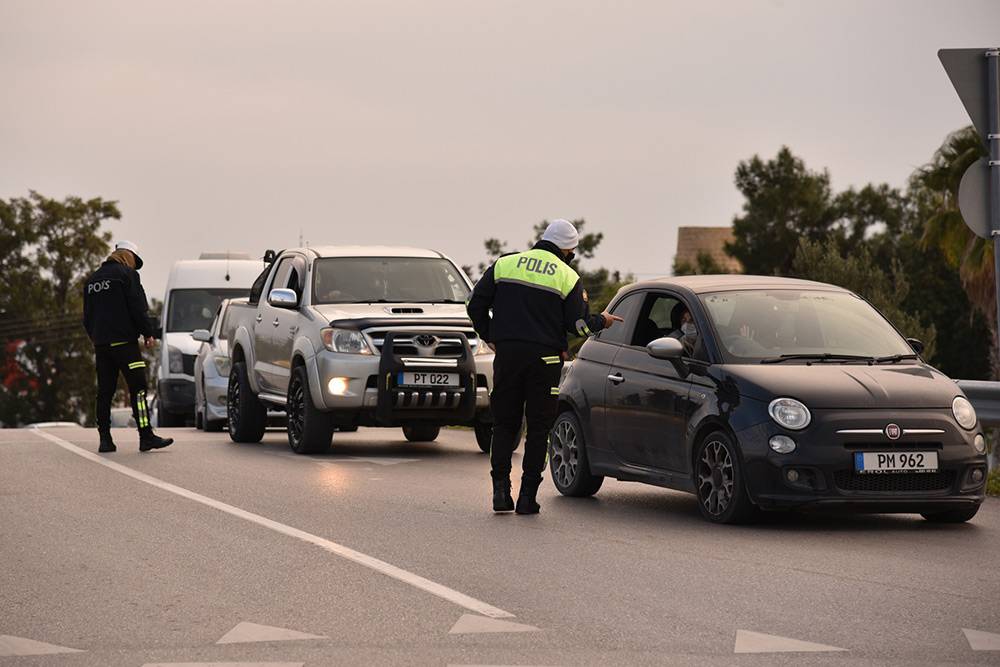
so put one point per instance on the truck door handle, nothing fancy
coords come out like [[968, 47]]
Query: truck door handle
[[617, 378], [275, 322], [258, 318]]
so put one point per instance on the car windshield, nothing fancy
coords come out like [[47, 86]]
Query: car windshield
[[754, 325], [191, 309], [387, 279]]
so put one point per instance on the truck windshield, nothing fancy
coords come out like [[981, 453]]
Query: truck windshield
[[387, 280], [770, 324], [191, 309]]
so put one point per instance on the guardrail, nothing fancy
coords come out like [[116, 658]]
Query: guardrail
[[985, 398]]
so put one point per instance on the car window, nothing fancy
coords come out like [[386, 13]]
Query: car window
[[224, 325], [258, 285], [297, 277], [655, 319], [387, 279], [190, 309], [620, 334], [282, 274]]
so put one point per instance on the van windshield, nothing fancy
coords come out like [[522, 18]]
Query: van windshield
[[191, 309], [387, 280], [765, 324]]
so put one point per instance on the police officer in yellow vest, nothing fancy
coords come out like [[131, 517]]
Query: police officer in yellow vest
[[535, 298]]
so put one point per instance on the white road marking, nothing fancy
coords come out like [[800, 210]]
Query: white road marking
[[389, 570], [470, 624], [11, 645], [252, 632], [384, 461], [224, 664], [758, 642], [982, 641]]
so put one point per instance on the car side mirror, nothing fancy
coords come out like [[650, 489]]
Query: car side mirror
[[669, 349], [283, 298], [202, 335], [916, 345]]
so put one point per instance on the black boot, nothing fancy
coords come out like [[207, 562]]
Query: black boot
[[107, 444], [148, 440], [526, 503], [502, 502]]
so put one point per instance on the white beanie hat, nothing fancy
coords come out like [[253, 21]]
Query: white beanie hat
[[562, 233]]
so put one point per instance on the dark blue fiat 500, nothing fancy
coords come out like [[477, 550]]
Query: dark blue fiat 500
[[766, 393]]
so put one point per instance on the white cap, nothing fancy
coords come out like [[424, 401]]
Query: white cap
[[128, 245], [563, 234]]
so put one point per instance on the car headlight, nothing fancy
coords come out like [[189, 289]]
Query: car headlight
[[789, 413], [345, 340], [964, 413], [482, 349], [221, 365], [175, 362]]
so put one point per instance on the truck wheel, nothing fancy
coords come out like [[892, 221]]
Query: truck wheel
[[484, 436], [309, 430], [421, 432], [247, 415]]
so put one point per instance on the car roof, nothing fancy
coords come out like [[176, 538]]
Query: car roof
[[371, 251], [701, 284]]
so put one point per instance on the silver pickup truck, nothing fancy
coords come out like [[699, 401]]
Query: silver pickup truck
[[341, 337]]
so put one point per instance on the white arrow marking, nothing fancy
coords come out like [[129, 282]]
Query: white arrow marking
[[470, 623], [224, 664], [758, 642], [11, 645], [982, 641], [387, 461], [252, 632]]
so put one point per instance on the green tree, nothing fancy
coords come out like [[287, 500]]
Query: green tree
[[49, 246]]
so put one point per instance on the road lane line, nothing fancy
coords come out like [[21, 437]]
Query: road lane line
[[370, 562]]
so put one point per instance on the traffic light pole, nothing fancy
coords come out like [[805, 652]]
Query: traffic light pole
[[993, 140]]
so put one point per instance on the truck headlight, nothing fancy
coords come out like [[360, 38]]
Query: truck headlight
[[175, 362], [347, 341], [964, 413], [789, 413], [482, 349], [221, 365]]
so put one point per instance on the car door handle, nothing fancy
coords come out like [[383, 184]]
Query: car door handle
[[275, 322], [259, 318], [617, 378]]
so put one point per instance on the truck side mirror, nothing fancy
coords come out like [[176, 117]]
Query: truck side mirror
[[283, 298]]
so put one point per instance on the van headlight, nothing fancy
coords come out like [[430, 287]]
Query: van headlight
[[789, 413], [964, 413], [175, 362], [347, 341]]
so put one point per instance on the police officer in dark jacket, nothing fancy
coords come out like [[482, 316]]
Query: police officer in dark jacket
[[535, 298], [115, 315]]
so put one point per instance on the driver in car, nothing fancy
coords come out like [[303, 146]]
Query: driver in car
[[684, 328]]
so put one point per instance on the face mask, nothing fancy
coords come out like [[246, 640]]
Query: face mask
[[689, 329]]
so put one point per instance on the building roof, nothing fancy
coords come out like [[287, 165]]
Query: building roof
[[693, 241]]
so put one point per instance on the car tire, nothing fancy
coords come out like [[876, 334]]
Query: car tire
[[421, 432], [951, 516], [310, 430], [247, 415], [568, 460], [720, 483], [484, 436]]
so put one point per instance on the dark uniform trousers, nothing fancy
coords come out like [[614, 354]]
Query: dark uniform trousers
[[525, 384], [124, 358]]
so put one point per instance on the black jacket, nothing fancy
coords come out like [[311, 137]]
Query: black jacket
[[114, 305], [535, 297]]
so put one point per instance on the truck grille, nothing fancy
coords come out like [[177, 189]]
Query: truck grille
[[848, 480], [447, 345]]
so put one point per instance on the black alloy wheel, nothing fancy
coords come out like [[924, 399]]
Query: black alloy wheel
[[568, 459], [309, 430], [719, 481]]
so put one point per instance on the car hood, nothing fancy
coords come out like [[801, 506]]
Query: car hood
[[391, 311], [851, 386]]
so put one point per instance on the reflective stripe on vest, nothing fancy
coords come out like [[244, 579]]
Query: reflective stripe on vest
[[536, 268]]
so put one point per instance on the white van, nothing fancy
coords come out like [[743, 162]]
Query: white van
[[194, 290]]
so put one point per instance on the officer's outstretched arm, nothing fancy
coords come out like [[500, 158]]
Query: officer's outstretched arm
[[480, 303], [576, 314], [137, 306]]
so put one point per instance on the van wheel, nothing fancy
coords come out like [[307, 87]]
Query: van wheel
[[247, 415], [951, 516], [720, 483], [421, 432], [309, 430], [568, 459]]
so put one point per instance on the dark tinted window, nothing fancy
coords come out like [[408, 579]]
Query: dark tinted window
[[621, 332], [191, 309], [387, 279], [258, 284]]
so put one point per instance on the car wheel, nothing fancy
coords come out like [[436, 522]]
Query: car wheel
[[247, 415], [309, 430], [484, 436], [951, 516], [210, 425], [421, 432], [568, 459], [719, 481]]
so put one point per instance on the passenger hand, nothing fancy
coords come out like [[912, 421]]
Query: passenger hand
[[747, 332], [610, 319]]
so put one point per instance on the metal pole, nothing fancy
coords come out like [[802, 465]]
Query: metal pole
[[993, 139]]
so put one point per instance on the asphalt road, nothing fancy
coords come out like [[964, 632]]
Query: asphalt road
[[385, 552]]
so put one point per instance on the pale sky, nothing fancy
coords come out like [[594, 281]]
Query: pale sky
[[233, 125]]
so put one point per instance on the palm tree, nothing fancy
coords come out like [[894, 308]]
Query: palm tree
[[934, 192]]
